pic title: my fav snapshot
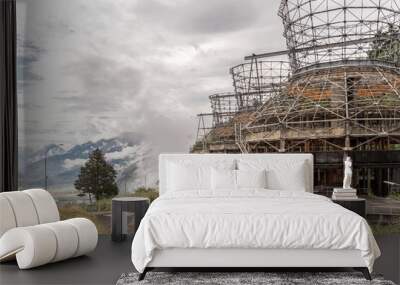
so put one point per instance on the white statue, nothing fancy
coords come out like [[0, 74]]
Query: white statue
[[348, 173]]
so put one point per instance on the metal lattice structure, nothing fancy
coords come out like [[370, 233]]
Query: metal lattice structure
[[345, 90], [328, 31], [256, 81], [344, 109], [224, 106], [339, 94]]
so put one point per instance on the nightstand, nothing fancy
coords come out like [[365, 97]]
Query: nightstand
[[126, 210], [358, 206]]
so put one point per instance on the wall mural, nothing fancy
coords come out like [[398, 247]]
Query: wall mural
[[126, 77], [109, 85]]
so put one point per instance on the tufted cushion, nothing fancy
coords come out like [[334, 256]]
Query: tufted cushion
[[87, 234], [7, 220], [23, 208], [32, 246], [26, 208], [41, 244], [45, 205], [31, 232], [67, 240]]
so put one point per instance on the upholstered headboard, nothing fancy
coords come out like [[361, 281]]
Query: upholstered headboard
[[232, 159]]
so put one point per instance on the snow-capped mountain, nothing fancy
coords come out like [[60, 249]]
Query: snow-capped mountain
[[133, 160], [51, 150]]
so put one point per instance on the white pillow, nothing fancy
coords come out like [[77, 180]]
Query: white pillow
[[251, 179], [223, 179], [188, 177], [282, 174], [291, 177]]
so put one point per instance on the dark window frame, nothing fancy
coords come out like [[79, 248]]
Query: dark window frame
[[8, 97]]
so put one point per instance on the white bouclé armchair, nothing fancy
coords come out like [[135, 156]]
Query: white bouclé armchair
[[31, 231]]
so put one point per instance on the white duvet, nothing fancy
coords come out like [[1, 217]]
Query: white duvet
[[250, 219]]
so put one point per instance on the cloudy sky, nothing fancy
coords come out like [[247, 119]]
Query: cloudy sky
[[91, 69]]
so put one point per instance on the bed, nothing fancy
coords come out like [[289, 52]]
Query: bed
[[246, 211]]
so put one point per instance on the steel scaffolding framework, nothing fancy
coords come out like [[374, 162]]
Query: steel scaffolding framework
[[340, 90], [344, 109], [256, 81], [326, 31]]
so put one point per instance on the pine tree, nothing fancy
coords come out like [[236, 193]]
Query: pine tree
[[97, 177]]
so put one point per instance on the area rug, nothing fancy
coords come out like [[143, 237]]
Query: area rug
[[244, 278]]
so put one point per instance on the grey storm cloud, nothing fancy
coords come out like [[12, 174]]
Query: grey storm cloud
[[105, 84], [206, 17], [28, 54], [98, 68]]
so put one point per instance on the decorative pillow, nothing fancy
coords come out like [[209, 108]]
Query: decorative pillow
[[251, 179], [223, 179], [188, 177], [282, 174]]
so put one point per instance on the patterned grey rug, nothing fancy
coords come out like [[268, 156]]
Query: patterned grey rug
[[243, 278]]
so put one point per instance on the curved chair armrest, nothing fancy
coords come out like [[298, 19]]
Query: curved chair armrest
[[33, 246], [40, 244]]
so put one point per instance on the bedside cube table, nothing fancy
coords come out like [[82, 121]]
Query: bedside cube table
[[123, 210], [358, 206]]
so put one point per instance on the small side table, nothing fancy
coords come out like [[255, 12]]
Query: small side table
[[358, 206], [123, 209]]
